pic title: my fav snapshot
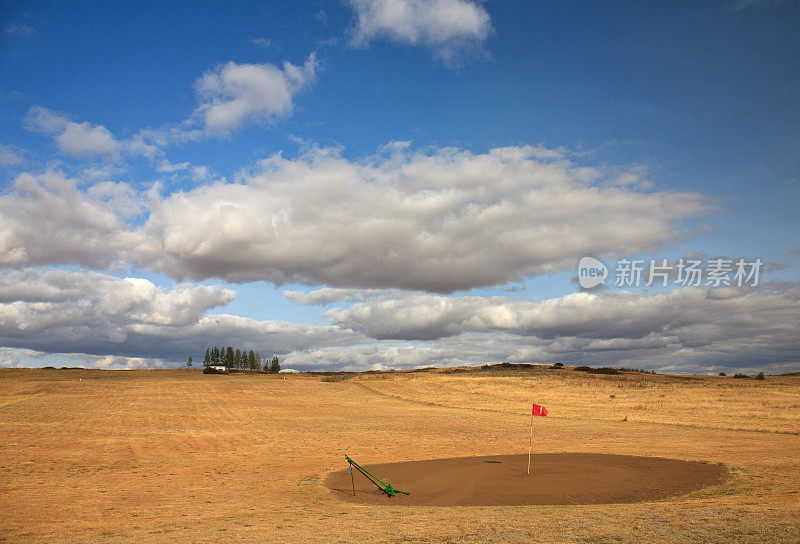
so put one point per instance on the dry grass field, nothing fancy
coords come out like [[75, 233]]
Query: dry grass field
[[178, 456]]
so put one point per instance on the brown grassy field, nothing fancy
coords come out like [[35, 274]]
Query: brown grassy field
[[178, 456]]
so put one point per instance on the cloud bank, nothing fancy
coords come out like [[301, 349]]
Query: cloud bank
[[440, 221], [131, 322], [691, 317], [685, 330], [86, 312]]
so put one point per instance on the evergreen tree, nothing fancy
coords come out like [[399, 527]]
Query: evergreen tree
[[215, 355], [258, 362], [207, 359], [237, 359], [275, 365], [251, 360], [189, 362], [229, 358]]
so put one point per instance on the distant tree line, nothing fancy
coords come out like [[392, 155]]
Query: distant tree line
[[239, 358]]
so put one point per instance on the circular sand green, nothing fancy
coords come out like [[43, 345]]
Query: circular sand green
[[556, 478]]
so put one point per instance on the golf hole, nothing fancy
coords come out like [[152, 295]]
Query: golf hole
[[555, 478]]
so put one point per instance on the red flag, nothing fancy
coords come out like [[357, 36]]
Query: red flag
[[539, 410]]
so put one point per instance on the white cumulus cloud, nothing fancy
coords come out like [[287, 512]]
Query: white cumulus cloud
[[47, 220], [75, 139], [232, 93], [449, 28]]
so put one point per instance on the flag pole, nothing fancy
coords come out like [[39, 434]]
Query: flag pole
[[530, 447]]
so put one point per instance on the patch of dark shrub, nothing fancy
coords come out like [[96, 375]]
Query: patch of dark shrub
[[335, 378]]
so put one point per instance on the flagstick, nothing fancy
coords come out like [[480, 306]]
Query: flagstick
[[352, 480], [530, 447]]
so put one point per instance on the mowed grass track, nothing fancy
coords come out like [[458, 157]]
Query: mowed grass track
[[178, 456]]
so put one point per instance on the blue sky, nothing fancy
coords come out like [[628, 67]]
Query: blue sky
[[428, 172]]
